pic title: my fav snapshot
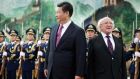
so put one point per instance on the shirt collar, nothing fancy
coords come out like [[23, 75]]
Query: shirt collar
[[67, 24], [30, 42], [104, 35]]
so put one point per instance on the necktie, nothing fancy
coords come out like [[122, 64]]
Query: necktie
[[110, 47], [59, 34]]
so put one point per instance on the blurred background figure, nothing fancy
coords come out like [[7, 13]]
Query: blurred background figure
[[46, 33], [2, 49], [90, 31], [132, 54], [117, 32], [29, 54], [18, 39], [13, 52], [42, 52]]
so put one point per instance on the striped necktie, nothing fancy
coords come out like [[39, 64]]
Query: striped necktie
[[110, 46]]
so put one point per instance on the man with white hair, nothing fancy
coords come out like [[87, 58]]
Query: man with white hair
[[105, 59]]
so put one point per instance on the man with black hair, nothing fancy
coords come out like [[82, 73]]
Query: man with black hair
[[66, 48]]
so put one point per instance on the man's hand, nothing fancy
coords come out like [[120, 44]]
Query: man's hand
[[45, 72], [78, 77]]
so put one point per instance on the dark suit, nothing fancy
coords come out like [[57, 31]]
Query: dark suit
[[69, 57], [104, 65]]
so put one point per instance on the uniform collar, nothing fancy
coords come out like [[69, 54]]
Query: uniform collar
[[30, 42], [13, 42]]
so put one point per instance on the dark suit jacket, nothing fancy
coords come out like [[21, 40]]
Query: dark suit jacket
[[103, 65], [69, 57]]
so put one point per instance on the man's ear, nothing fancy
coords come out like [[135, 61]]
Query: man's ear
[[67, 13]]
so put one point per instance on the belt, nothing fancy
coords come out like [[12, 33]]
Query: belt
[[42, 59], [12, 59], [27, 59]]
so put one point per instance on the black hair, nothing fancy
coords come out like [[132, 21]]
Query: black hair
[[66, 6]]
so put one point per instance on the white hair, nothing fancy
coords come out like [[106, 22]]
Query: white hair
[[101, 20]]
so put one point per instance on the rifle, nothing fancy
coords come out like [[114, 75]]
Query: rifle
[[37, 65], [19, 71], [2, 71], [20, 68], [136, 62], [37, 68]]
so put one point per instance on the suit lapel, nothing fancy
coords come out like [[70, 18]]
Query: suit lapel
[[103, 42], [116, 45], [54, 33], [68, 31]]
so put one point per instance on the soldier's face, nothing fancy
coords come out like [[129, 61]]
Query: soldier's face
[[106, 26], [138, 35], [13, 38], [1, 38], [17, 41], [90, 34], [117, 34], [46, 36], [30, 37]]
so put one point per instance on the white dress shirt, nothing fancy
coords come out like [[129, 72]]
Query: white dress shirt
[[111, 39], [65, 26]]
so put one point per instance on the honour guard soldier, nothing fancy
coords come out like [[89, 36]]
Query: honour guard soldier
[[118, 33], [13, 52], [18, 39], [43, 44], [90, 31], [133, 53], [2, 46], [29, 53], [46, 33]]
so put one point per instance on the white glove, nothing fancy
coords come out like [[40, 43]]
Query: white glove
[[21, 43], [22, 54], [4, 53], [136, 40], [39, 43], [40, 53], [5, 43], [137, 54]]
